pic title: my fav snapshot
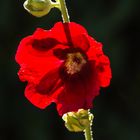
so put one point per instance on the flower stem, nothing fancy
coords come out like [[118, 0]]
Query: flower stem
[[88, 133], [64, 11]]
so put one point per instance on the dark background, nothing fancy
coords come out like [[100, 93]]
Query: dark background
[[116, 24]]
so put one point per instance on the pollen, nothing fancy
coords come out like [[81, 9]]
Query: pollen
[[74, 62]]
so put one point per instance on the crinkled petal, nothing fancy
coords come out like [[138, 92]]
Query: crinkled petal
[[65, 32], [46, 91], [42, 34], [72, 98], [101, 61], [49, 83], [104, 70], [33, 61], [95, 49], [79, 92], [81, 41], [40, 100], [91, 84]]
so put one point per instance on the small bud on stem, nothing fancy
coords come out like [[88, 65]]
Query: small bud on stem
[[79, 121], [39, 8]]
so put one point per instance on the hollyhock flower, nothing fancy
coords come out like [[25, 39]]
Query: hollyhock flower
[[63, 65]]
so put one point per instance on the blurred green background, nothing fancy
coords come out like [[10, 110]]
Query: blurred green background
[[116, 24]]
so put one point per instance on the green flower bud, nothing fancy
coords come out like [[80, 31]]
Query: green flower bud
[[38, 8], [78, 121]]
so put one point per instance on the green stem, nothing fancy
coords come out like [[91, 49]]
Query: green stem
[[56, 5], [64, 11], [88, 133]]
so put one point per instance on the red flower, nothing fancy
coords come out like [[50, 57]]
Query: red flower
[[63, 65]]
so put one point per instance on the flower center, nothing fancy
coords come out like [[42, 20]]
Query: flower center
[[74, 62]]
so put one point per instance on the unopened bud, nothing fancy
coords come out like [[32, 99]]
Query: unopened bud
[[38, 8], [78, 121]]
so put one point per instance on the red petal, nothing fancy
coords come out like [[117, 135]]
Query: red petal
[[50, 82], [102, 62], [79, 92], [44, 45], [92, 84], [35, 63], [95, 49], [37, 99], [71, 99], [64, 32], [42, 94], [104, 70], [81, 41], [41, 34]]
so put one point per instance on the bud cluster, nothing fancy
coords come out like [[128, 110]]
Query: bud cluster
[[78, 121]]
